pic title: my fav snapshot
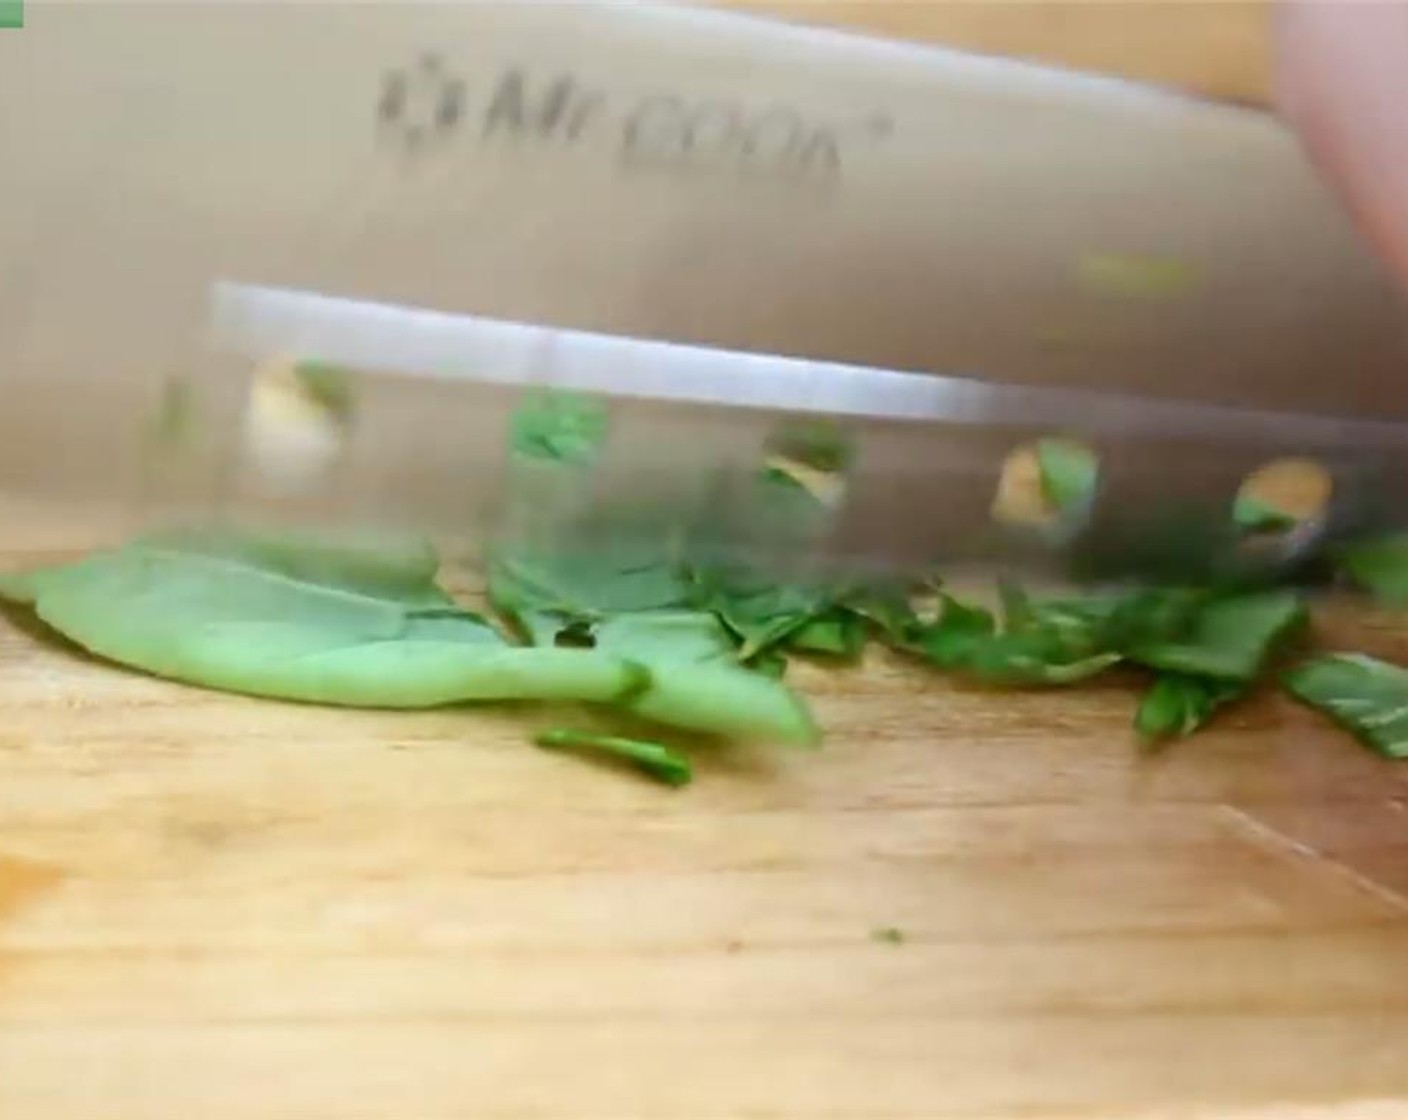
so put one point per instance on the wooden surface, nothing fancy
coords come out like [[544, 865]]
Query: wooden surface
[[220, 908]]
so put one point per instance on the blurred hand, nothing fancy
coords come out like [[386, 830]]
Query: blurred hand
[[1342, 82]]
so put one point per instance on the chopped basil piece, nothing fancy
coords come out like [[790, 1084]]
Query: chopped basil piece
[[1254, 515], [1366, 696], [1176, 705], [654, 759], [1229, 638], [1380, 567], [1068, 474]]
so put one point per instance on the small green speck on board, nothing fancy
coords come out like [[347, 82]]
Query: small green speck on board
[[888, 935]]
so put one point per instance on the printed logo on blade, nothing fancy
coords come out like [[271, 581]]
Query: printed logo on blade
[[430, 106]]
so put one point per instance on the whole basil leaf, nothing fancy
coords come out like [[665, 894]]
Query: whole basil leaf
[[305, 619]]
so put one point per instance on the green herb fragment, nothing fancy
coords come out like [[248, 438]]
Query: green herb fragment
[[727, 701], [545, 592], [19, 588], [1367, 697], [1253, 515], [771, 664], [821, 445], [667, 636], [640, 603], [1176, 705], [838, 633], [1146, 616], [961, 630], [328, 387], [696, 684], [1068, 473], [763, 614], [888, 935], [1038, 644], [1380, 567], [1014, 660], [305, 619], [1229, 638], [890, 610], [653, 759], [560, 427]]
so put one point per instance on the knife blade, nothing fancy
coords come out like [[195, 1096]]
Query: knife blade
[[420, 434], [717, 222]]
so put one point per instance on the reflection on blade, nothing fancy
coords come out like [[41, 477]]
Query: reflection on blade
[[682, 431], [319, 409], [257, 321]]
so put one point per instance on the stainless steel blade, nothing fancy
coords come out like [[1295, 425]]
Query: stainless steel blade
[[1066, 244], [431, 396]]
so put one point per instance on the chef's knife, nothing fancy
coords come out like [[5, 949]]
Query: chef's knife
[[718, 222]]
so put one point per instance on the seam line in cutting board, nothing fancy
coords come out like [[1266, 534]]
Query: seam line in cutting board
[[1298, 851]]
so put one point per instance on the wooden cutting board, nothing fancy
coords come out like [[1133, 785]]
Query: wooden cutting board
[[966, 905]]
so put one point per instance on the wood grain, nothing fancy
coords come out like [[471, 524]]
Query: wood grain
[[217, 906], [212, 906]]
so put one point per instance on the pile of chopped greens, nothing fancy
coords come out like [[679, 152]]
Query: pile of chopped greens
[[665, 647]]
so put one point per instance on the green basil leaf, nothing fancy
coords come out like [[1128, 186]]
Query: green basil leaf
[[329, 387], [1068, 474], [1366, 696], [890, 610], [1017, 659], [1380, 567], [547, 593], [1253, 515], [560, 427], [666, 636], [1152, 616], [695, 682], [838, 633], [20, 588], [653, 759], [299, 619], [960, 631], [763, 614], [1228, 638], [1040, 643], [1176, 705], [770, 664], [728, 701], [821, 445]]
